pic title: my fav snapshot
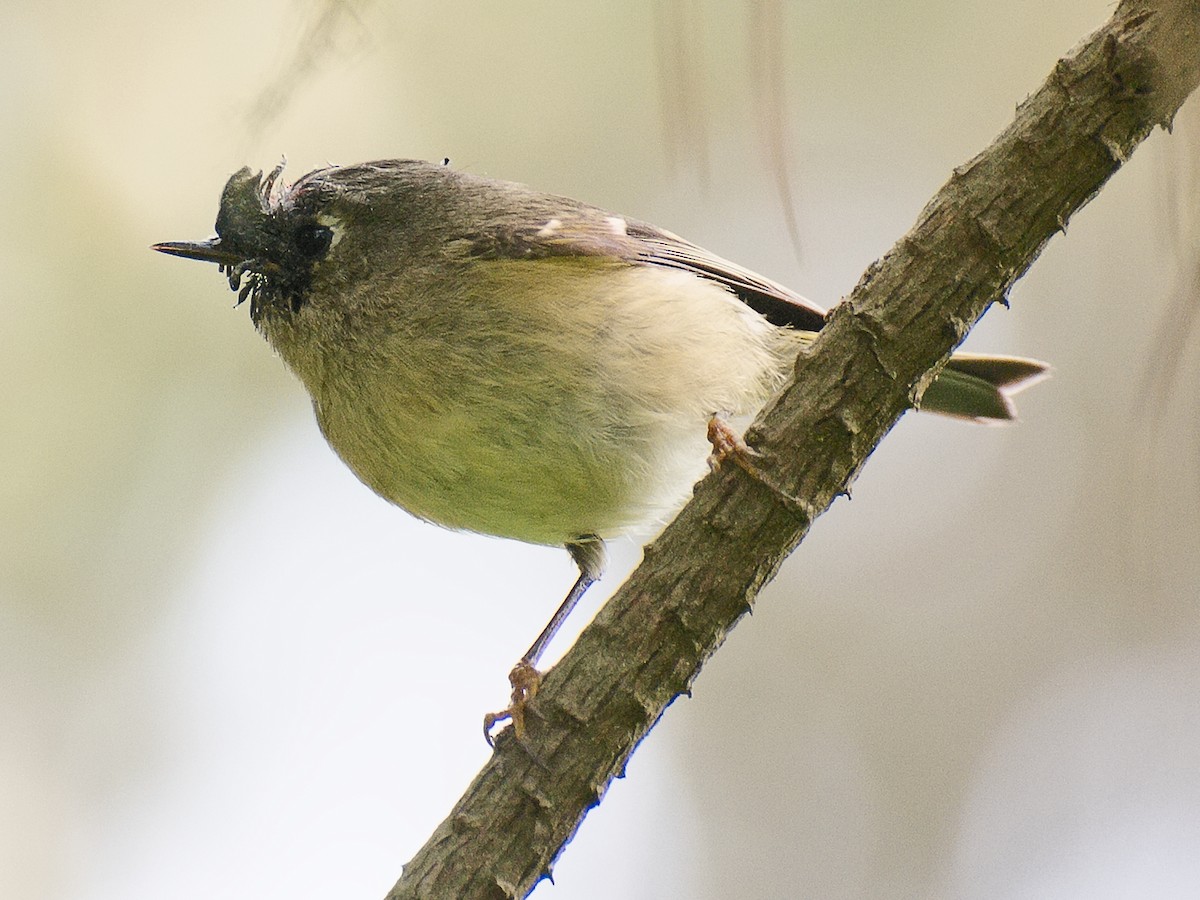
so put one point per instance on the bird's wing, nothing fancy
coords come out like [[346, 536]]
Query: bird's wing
[[588, 232]]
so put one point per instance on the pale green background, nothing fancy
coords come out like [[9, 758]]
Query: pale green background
[[227, 670]]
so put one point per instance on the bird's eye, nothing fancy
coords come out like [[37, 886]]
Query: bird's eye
[[313, 241]]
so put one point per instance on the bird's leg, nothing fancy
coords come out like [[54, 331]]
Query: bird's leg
[[588, 553]]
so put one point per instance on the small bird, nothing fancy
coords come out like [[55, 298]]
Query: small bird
[[495, 359]]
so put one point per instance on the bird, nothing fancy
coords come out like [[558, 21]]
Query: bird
[[496, 359]]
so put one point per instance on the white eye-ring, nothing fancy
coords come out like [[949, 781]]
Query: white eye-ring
[[335, 225]]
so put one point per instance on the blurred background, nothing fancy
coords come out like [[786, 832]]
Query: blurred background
[[228, 670]]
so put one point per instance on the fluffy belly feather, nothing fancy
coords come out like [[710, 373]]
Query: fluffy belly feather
[[581, 426]]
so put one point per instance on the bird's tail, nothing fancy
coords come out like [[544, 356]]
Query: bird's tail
[[979, 388]]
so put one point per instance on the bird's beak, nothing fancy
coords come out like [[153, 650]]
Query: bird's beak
[[205, 251]]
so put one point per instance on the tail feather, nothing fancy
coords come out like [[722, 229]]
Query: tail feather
[[979, 388]]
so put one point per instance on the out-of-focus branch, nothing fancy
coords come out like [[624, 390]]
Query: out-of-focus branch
[[880, 347], [332, 28]]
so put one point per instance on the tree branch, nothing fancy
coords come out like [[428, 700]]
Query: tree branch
[[879, 349]]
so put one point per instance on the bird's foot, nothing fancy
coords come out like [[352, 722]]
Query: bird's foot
[[727, 444], [525, 681]]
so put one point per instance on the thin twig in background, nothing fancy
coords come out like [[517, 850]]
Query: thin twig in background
[[767, 67], [680, 45], [335, 30]]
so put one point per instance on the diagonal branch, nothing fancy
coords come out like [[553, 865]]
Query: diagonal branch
[[979, 234]]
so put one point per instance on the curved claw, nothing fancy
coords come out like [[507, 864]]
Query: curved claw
[[489, 722]]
